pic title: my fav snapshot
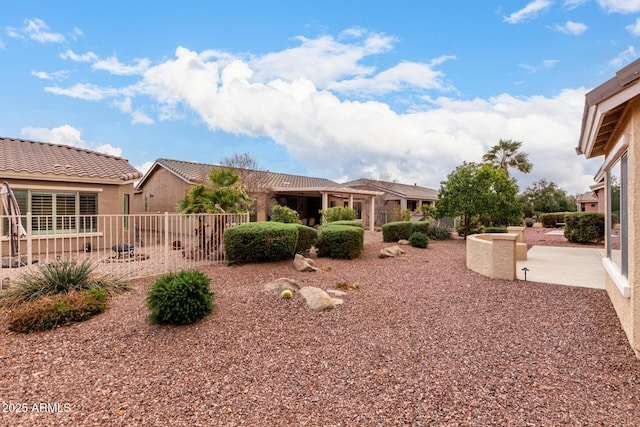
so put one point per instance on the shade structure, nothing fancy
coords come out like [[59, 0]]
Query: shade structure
[[12, 212]]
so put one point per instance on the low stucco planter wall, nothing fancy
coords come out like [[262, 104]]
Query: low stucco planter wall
[[493, 254], [521, 246]]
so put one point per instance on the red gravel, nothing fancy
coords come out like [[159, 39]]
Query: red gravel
[[424, 342]]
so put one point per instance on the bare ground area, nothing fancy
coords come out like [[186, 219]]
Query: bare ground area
[[423, 342]]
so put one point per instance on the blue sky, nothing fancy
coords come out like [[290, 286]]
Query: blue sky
[[404, 90]]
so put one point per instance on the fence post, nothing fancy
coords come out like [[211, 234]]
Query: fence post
[[166, 242], [29, 240]]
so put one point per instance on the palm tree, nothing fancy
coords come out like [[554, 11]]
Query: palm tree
[[505, 155]]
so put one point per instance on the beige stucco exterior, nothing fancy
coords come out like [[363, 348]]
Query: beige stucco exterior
[[492, 254]]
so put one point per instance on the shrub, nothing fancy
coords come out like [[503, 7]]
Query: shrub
[[353, 223], [529, 222], [260, 242], [398, 230], [439, 232], [340, 241], [307, 237], [397, 214], [420, 227], [549, 220], [495, 230], [59, 278], [337, 213], [419, 240], [285, 214], [180, 299], [584, 227], [50, 312]]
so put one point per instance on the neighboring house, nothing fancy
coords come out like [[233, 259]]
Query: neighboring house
[[610, 128], [167, 182], [63, 187], [395, 195], [587, 202]]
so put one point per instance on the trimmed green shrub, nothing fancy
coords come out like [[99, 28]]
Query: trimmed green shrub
[[180, 299], [549, 220], [353, 223], [337, 213], [420, 227], [307, 237], [340, 241], [529, 222], [59, 278], [285, 214], [260, 242], [584, 227], [418, 240], [439, 232], [49, 312], [398, 230], [495, 230]]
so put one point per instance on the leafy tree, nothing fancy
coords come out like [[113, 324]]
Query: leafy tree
[[224, 193], [545, 196], [505, 155], [479, 191]]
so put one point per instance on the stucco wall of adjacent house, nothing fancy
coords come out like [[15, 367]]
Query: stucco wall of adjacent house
[[161, 192]]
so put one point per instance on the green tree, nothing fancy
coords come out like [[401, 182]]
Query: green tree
[[479, 191], [224, 193], [544, 196], [505, 155]]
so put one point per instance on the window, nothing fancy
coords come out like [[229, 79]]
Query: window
[[412, 205], [617, 221], [55, 213]]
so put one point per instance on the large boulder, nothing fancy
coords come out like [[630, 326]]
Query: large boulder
[[391, 252], [317, 299], [301, 263], [282, 284]]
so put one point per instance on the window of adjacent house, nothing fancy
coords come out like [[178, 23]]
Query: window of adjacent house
[[58, 212], [617, 221], [412, 205]]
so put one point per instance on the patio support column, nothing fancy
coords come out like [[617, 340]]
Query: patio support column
[[351, 201], [372, 212], [325, 200]]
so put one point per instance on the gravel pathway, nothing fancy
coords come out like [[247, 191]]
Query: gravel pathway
[[423, 342]]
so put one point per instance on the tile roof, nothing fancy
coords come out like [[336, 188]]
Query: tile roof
[[588, 197], [197, 173], [404, 190], [61, 162]]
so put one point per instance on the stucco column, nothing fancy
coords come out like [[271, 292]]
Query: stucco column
[[351, 201], [325, 200], [504, 256], [372, 213]]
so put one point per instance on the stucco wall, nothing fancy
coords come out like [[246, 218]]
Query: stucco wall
[[492, 255]]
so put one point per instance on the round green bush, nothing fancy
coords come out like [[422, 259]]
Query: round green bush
[[180, 299], [260, 242], [307, 237], [340, 241], [419, 240], [285, 214]]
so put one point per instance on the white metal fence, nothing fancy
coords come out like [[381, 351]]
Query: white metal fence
[[123, 246]]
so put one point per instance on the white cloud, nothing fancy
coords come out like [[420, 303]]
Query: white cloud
[[620, 6], [544, 65], [36, 29], [86, 91], [634, 28], [624, 57], [57, 75], [138, 117], [113, 66], [572, 4], [85, 57], [67, 135], [143, 168], [570, 27], [529, 12], [2, 46]]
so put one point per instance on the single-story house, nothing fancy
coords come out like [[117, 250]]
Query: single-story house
[[395, 195], [167, 182], [611, 130], [63, 187], [587, 202]]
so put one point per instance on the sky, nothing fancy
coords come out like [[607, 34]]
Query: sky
[[402, 90]]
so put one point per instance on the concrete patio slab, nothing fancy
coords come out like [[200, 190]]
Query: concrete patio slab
[[564, 266]]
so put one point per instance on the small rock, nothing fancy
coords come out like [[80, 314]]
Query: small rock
[[282, 284], [391, 252], [403, 242], [304, 264], [317, 299]]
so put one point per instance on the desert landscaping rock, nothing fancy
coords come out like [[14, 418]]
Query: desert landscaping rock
[[281, 284], [391, 252], [317, 299], [304, 264]]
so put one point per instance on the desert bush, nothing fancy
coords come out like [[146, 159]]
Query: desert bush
[[439, 232], [180, 299], [529, 222], [307, 237], [494, 230], [584, 227], [419, 240], [337, 213], [59, 278], [397, 230], [285, 214], [260, 242], [549, 220], [50, 312], [420, 227], [340, 241], [353, 223], [398, 215]]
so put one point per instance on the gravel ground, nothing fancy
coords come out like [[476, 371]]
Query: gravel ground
[[423, 342]]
